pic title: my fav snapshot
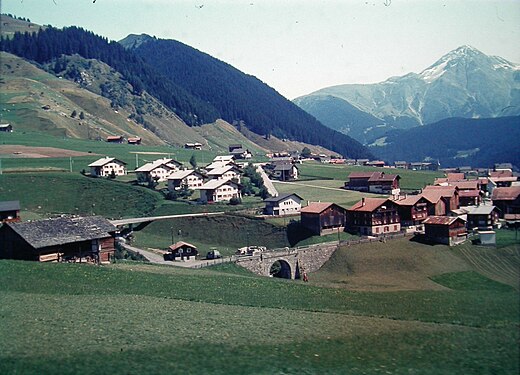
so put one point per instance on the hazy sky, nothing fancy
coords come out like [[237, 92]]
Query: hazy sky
[[299, 46]]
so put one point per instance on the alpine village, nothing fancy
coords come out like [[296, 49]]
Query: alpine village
[[163, 212]]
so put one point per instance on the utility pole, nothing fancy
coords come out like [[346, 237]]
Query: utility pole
[[70, 164], [136, 160]]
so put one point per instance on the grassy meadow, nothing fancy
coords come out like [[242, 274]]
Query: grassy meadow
[[136, 318]]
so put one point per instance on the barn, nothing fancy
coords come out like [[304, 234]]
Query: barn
[[64, 239], [323, 218]]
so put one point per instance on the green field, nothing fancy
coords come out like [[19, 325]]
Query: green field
[[132, 318]]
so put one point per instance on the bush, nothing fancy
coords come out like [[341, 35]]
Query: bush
[[235, 201]]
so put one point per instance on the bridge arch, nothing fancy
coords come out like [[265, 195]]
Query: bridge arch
[[280, 268]]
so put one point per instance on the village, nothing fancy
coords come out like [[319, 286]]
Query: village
[[464, 205]]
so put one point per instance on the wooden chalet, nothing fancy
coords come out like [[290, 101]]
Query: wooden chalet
[[64, 239], [374, 217], [483, 217], [446, 230], [190, 178], [181, 251], [323, 218], [9, 212], [134, 140], [285, 204], [193, 146], [219, 191], [106, 166], [412, 209], [115, 139], [507, 199], [448, 195], [285, 172], [374, 182]]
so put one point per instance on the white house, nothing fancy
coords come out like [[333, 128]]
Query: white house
[[225, 158], [159, 169], [219, 191], [228, 172], [105, 166], [190, 178], [284, 204]]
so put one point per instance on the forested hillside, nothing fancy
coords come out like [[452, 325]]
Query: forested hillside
[[197, 87]]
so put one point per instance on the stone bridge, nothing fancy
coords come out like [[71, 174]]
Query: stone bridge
[[289, 263]]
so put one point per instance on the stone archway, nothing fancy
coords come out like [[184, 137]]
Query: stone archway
[[281, 269]]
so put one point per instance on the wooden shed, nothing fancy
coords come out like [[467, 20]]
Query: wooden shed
[[447, 230], [9, 211], [182, 251]]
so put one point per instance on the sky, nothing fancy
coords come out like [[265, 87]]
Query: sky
[[300, 46]]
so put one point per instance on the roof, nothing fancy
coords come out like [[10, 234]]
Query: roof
[[432, 196], [482, 210], [101, 162], [442, 220], [368, 204], [114, 137], [179, 244], [502, 173], [469, 193], [214, 184], [179, 175], [282, 197], [316, 207], [10, 206], [409, 200], [384, 177], [148, 167], [443, 191], [62, 230], [224, 158], [506, 193], [5, 125], [465, 185], [284, 167], [455, 176], [221, 170], [503, 179], [362, 174]]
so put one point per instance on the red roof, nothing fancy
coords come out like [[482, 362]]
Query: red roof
[[455, 176], [506, 193], [501, 174], [469, 193], [368, 204], [441, 220], [316, 207], [362, 174], [465, 185], [443, 191], [180, 244], [409, 200]]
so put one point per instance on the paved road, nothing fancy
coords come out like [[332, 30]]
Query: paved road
[[267, 182]]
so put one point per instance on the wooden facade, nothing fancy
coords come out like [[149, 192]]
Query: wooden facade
[[446, 230], [323, 218], [181, 251], [413, 209], [374, 217], [507, 199], [374, 182], [483, 217]]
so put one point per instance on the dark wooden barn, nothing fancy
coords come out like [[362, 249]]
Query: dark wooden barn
[[182, 251], [323, 218], [64, 239]]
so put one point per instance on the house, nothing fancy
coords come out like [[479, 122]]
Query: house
[[107, 166], [424, 166], [376, 163], [6, 128], [193, 146], [503, 167], [323, 218], [241, 153], [134, 141], [507, 199], [374, 217], [190, 178], [227, 172], [412, 209], [470, 197], [181, 250], [374, 182], [401, 165], [447, 230], [362, 161], [285, 204], [448, 194], [483, 217], [158, 170], [219, 191], [76, 239], [224, 158], [496, 182], [285, 172], [115, 139], [501, 173], [233, 147], [9, 212]]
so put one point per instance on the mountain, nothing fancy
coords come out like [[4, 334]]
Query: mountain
[[463, 83], [455, 142], [239, 98]]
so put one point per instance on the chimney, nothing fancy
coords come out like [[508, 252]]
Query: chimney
[[362, 202]]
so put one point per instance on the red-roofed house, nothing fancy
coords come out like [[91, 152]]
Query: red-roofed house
[[449, 195], [183, 250], [323, 218], [447, 230], [507, 199], [374, 216], [413, 209], [374, 182]]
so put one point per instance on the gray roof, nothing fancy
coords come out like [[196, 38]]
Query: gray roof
[[101, 162], [62, 230], [281, 197], [481, 210], [10, 206], [285, 167]]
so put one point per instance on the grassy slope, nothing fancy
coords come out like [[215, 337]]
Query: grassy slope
[[60, 318]]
